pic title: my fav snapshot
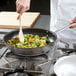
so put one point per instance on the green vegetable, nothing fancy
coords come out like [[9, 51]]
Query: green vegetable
[[30, 41]]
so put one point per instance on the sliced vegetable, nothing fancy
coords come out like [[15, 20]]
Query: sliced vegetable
[[30, 41]]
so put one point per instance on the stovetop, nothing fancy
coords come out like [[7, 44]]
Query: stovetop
[[40, 64]]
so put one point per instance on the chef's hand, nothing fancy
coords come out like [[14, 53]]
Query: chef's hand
[[22, 6], [73, 22]]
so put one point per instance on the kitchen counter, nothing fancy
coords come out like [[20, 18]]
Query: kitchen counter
[[43, 23]]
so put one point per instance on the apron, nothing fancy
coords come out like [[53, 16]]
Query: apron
[[62, 12]]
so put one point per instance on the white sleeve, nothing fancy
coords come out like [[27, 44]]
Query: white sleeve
[[53, 12]]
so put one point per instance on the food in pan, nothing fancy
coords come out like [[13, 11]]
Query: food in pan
[[30, 41]]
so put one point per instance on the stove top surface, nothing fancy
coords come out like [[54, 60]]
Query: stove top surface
[[43, 63]]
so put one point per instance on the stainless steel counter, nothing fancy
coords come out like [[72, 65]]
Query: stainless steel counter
[[43, 23]]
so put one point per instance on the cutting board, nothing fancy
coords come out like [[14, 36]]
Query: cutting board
[[9, 20]]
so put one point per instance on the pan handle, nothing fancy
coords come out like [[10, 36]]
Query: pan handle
[[63, 28]]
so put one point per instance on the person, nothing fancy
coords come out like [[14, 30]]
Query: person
[[73, 21], [62, 13], [22, 6]]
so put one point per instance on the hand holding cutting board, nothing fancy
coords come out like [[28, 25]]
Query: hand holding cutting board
[[22, 6]]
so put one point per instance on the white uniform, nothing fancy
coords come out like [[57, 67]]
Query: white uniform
[[62, 12]]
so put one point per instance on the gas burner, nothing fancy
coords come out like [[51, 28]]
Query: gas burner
[[22, 72], [10, 57], [35, 64]]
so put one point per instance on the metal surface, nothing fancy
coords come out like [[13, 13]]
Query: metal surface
[[39, 63], [3, 48], [68, 50], [43, 22], [3, 51], [65, 27], [19, 70], [31, 51], [36, 63], [66, 66]]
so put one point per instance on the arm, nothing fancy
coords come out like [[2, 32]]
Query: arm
[[22, 6]]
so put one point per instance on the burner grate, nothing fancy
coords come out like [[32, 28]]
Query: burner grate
[[40, 63]]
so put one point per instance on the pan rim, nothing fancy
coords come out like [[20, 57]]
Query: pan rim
[[30, 29]]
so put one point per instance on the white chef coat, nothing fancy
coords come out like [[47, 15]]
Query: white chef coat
[[62, 12]]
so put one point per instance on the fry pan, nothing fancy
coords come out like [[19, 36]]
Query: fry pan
[[31, 51]]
